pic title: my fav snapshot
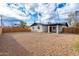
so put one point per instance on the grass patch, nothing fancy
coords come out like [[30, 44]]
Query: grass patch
[[76, 45]]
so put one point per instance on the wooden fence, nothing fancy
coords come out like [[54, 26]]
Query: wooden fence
[[65, 30], [71, 30], [5, 30]]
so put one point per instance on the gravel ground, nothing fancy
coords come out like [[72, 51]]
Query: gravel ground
[[37, 44]]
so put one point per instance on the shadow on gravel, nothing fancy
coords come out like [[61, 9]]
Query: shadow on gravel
[[10, 47]]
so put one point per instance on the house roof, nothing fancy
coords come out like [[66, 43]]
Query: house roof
[[53, 24], [36, 24]]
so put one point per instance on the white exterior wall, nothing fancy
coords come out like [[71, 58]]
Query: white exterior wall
[[42, 28], [45, 28], [60, 28], [39, 30], [35, 28]]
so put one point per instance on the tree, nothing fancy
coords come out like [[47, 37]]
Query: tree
[[23, 24], [71, 19], [77, 25]]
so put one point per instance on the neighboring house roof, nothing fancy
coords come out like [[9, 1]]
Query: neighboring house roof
[[54, 24]]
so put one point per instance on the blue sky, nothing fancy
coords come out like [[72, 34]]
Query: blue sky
[[30, 12]]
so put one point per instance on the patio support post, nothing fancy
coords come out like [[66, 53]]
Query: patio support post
[[57, 29], [48, 29]]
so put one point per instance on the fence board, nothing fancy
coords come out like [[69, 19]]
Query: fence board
[[71, 30], [4, 30]]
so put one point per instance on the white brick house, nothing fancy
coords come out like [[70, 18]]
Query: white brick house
[[56, 27]]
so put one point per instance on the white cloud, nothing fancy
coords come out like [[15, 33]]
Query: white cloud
[[70, 7], [39, 1], [11, 12], [47, 10]]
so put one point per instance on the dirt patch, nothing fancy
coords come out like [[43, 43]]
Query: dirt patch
[[24, 43]]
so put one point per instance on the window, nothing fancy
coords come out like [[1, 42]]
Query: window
[[54, 28], [38, 27]]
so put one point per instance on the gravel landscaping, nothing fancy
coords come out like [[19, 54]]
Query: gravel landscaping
[[37, 44]]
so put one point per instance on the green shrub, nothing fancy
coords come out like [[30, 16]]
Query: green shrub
[[23, 24]]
